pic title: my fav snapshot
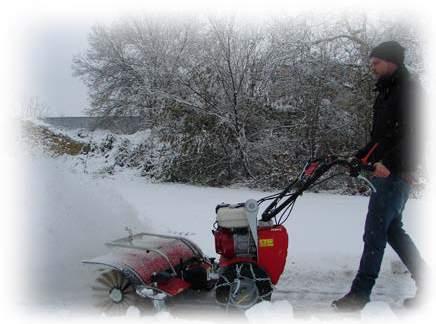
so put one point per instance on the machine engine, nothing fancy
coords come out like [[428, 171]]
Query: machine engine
[[235, 240], [233, 237]]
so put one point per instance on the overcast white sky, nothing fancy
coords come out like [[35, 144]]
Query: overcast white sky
[[46, 35], [48, 51]]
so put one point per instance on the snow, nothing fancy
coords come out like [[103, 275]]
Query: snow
[[66, 216], [277, 311], [376, 310]]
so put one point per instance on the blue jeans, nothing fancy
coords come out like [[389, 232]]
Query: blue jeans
[[384, 225]]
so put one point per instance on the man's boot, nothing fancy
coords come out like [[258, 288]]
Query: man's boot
[[351, 302], [358, 296]]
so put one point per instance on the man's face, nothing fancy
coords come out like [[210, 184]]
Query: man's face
[[381, 68]]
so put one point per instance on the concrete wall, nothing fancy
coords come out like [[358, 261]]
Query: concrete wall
[[119, 125]]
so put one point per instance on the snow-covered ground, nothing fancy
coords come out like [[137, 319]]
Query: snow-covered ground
[[66, 216]]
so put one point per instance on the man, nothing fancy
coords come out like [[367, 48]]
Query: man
[[392, 151]]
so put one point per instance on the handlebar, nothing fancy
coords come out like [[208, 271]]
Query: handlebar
[[356, 166], [312, 171]]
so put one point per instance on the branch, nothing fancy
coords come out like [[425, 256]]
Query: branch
[[350, 37]]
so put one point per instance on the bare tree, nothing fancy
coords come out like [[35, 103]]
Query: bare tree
[[34, 108]]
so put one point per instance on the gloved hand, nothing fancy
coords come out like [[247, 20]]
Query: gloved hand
[[380, 170]]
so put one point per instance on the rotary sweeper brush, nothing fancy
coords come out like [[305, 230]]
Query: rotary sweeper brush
[[252, 252]]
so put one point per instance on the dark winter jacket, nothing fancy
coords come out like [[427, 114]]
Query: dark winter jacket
[[394, 127]]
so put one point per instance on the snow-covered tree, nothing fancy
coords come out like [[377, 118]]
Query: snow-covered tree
[[236, 101]]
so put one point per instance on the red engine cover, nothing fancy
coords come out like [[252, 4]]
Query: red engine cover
[[224, 243], [272, 250]]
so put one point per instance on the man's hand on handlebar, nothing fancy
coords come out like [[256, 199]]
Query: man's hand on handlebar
[[380, 170]]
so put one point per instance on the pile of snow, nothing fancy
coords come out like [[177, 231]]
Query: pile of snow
[[67, 217]]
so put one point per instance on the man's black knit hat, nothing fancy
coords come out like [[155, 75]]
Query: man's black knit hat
[[389, 51]]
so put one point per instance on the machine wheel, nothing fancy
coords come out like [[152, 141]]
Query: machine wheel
[[114, 293], [242, 285]]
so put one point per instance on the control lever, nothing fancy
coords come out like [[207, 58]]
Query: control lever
[[368, 182]]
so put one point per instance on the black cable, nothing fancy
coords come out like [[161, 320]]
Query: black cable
[[289, 213], [262, 200], [285, 214], [326, 179], [274, 196], [292, 204], [279, 222]]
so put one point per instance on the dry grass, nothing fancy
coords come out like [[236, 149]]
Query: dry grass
[[55, 144]]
